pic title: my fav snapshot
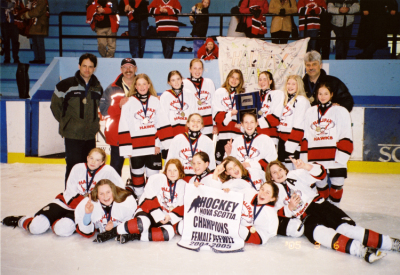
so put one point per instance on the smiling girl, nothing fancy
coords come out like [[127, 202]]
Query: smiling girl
[[291, 127], [203, 175], [185, 146], [203, 89], [59, 214], [328, 140], [253, 150], [271, 108], [225, 113], [160, 209], [106, 207], [142, 130]]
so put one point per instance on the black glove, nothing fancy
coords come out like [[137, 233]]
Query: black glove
[[312, 12], [255, 12], [282, 12]]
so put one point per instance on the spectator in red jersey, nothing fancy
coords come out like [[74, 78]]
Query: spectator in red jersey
[[208, 51]]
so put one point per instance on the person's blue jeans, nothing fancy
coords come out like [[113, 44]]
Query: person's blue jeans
[[342, 46], [38, 47], [137, 47], [167, 44], [312, 44]]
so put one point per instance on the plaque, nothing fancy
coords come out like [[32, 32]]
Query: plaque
[[248, 103]]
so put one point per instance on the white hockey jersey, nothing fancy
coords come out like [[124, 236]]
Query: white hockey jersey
[[259, 153], [257, 176], [236, 185], [176, 114], [120, 212], [221, 109], [329, 142], [204, 96], [302, 183], [139, 133], [156, 199], [266, 223], [76, 184], [180, 149], [207, 181], [291, 126], [272, 108]]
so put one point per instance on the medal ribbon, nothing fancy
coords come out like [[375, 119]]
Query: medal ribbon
[[234, 99], [88, 184], [171, 191], [199, 89], [287, 189], [147, 104], [312, 88], [181, 102], [252, 184], [263, 94], [257, 213], [108, 212], [195, 147], [245, 146]]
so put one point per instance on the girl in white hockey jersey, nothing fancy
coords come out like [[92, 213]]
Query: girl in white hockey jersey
[[259, 220], [59, 214], [252, 149], [160, 209], [106, 207], [291, 126], [203, 175], [323, 222], [177, 104], [272, 106], [328, 140], [143, 128], [203, 89], [234, 176], [184, 146], [225, 113]]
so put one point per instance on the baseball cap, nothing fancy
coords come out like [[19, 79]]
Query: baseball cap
[[128, 61]]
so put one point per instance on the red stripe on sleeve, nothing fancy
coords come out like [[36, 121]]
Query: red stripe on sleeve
[[345, 145], [263, 164], [73, 203], [296, 135], [207, 120], [179, 211], [150, 204], [272, 120]]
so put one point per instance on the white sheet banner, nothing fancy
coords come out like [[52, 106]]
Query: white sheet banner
[[253, 56], [211, 220]]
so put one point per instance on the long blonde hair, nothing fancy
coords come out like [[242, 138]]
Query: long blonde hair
[[133, 91], [300, 88]]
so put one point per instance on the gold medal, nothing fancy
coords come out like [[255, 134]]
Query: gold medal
[[171, 208], [318, 129], [260, 113], [84, 101], [199, 102], [182, 114], [252, 230]]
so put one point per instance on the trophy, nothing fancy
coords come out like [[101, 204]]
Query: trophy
[[248, 103]]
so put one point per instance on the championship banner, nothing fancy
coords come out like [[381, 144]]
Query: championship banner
[[253, 56], [211, 220]]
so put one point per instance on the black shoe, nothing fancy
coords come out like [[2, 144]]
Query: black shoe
[[41, 62], [106, 236], [6, 61], [185, 49], [128, 237], [11, 221]]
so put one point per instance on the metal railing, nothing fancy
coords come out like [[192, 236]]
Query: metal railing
[[221, 16]]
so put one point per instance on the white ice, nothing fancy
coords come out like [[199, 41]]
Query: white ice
[[372, 200]]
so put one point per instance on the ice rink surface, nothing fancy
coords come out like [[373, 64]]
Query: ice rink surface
[[372, 200]]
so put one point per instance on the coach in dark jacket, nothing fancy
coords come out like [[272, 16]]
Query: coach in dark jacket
[[316, 75], [74, 105]]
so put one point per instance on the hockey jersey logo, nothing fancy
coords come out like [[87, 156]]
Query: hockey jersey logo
[[287, 112], [147, 119], [226, 101], [247, 212], [82, 185], [166, 198], [185, 156], [242, 156], [175, 106], [265, 109], [322, 129], [204, 98]]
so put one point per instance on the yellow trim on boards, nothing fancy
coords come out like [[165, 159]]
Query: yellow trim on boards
[[353, 166]]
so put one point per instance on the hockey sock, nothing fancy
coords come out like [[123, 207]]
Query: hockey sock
[[158, 234], [323, 188], [134, 226]]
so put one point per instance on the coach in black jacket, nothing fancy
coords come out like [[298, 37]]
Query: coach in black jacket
[[316, 75]]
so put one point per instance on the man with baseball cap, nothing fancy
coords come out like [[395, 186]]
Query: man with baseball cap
[[111, 103]]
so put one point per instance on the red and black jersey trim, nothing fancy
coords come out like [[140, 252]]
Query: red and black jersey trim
[[345, 145], [149, 205]]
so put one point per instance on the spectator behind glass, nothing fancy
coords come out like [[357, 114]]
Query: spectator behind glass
[[208, 51], [200, 23], [375, 19], [167, 23], [281, 26], [313, 9], [341, 9], [103, 19], [39, 18], [137, 13], [9, 31], [256, 25]]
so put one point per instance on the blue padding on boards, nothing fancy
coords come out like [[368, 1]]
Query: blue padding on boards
[[34, 128], [382, 134], [377, 100], [3, 132], [42, 95]]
